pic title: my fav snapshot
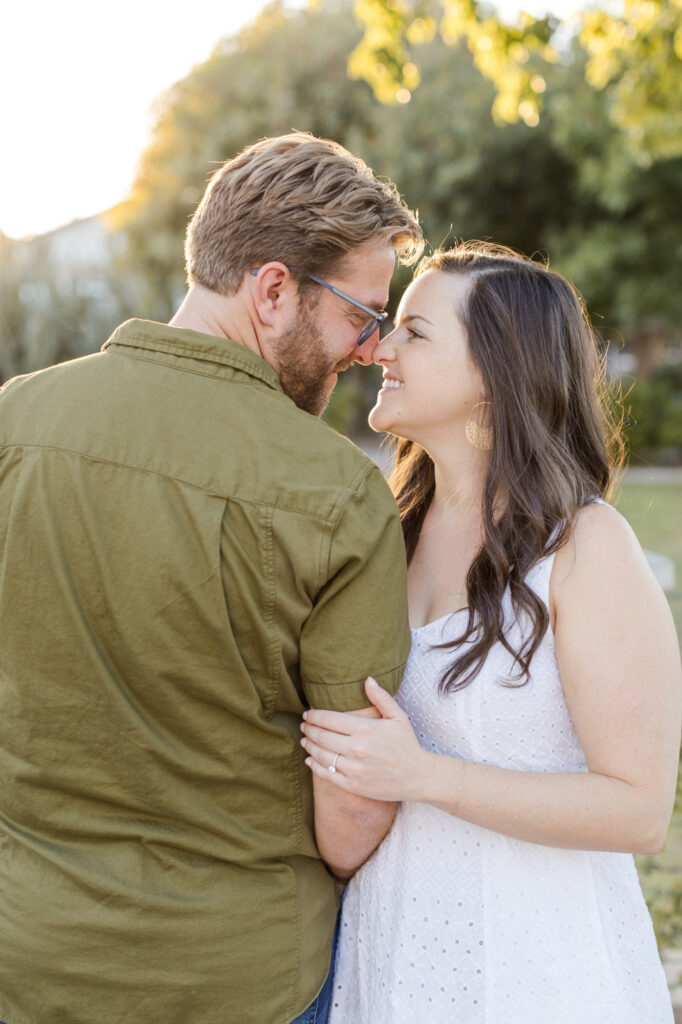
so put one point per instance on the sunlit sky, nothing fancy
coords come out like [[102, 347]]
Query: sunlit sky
[[77, 84]]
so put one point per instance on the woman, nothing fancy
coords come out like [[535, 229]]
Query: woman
[[534, 744]]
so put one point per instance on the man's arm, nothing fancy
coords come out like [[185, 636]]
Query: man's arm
[[358, 624], [348, 828]]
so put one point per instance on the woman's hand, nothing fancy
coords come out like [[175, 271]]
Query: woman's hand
[[378, 758]]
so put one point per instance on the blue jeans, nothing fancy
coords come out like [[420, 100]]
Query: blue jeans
[[318, 1011]]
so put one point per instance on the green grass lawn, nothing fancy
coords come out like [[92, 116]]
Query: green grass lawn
[[655, 513]]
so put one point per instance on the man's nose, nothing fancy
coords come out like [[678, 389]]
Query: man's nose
[[365, 353]]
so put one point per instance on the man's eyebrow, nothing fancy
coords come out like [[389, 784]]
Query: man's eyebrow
[[377, 307]]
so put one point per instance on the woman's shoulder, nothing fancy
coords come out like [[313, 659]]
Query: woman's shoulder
[[601, 546], [598, 523]]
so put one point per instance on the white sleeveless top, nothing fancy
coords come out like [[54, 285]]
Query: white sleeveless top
[[450, 923]]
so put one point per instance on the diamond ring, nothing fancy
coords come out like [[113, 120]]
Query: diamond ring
[[332, 766]]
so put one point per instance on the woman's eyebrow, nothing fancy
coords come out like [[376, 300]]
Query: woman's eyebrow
[[414, 316]]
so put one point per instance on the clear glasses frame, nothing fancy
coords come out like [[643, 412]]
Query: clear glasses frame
[[371, 325]]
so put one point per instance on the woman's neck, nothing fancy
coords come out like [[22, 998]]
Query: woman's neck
[[459, 484]]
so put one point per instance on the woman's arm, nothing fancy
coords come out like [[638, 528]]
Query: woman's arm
[[619, 663]]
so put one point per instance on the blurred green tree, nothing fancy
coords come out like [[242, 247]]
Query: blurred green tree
[[566, 186], [635, 57], [654, 411], [250, 87], [610, 221]]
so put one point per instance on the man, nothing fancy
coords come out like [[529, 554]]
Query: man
[[188, 559]]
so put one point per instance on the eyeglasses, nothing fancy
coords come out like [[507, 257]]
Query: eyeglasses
[[371, 325]]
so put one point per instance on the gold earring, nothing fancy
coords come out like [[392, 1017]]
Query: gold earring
[[480, 438]]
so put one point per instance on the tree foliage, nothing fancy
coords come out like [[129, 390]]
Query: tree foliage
[[635, 58], [566, 186], [394, 30], [654, 409]]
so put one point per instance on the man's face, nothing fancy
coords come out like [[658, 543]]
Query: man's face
[[321, 342], [303, 364]]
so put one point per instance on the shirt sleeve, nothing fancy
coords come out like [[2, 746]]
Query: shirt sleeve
[[359, 625]]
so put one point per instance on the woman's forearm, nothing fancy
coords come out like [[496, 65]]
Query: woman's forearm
[[575, 810], [625, 808]]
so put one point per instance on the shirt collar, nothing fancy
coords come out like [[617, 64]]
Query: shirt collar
[[152, 337]]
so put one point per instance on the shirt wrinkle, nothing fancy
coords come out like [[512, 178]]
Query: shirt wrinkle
[[325, 517]]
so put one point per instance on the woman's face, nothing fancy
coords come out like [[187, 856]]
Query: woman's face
[[430, 384]]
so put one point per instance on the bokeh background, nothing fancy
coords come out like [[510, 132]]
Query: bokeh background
[[556, 132]]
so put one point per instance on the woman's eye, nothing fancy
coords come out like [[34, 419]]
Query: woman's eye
[[412, 334]]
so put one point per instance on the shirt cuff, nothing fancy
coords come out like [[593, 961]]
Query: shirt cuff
[[350, 696]]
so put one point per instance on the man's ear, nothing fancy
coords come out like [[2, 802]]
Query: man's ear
[[274, 293]]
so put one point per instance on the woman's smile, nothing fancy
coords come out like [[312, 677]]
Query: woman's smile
[[391, 383]]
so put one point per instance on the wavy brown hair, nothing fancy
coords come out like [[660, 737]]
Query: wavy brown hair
[[555, 446]]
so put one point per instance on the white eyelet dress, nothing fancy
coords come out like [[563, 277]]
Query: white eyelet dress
[[449, 923]]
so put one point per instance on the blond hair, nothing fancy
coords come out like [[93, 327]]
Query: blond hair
[[298, 199]]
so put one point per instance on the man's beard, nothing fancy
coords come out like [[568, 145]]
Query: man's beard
[[303, 364]]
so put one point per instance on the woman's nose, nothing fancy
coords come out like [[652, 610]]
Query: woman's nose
[[384, 350]]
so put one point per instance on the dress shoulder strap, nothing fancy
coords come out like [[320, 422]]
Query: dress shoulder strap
[[539, 575]]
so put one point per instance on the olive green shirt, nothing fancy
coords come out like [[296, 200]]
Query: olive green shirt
[[187, 561]]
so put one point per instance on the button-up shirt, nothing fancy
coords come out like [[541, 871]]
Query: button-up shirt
[[187, 561]]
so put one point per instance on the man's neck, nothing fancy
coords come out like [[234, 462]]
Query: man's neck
[[223, 316]]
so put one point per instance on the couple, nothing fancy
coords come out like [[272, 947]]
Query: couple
[[194, 568]]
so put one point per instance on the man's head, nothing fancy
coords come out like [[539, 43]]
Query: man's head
[[291, 207], [301, 200]]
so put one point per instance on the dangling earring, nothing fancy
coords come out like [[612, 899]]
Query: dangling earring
[[478, 437]]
